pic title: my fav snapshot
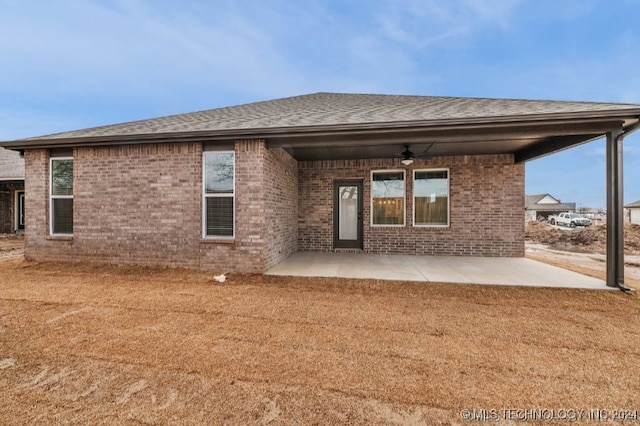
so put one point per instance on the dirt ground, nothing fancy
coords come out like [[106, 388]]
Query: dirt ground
[[11, 246], [83, 344], [582, 249], [591, 239]]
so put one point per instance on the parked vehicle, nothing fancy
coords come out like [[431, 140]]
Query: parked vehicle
[[569, 219]]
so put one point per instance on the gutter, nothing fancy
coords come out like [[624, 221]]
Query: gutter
[[515, 123], [629, 130]]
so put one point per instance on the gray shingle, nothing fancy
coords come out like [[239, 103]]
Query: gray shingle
[[329, 109], [531, 203], [11, 165]]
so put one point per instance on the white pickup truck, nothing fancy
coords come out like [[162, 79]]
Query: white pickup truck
[[569, 219]]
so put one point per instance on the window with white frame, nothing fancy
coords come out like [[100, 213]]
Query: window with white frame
[[387, 198], [61, 196], [431, 197], [218, 194]]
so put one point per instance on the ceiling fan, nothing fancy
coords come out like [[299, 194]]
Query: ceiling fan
[[407, 156]]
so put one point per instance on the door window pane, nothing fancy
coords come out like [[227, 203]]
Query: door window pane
[[21, 211], [348, 221]]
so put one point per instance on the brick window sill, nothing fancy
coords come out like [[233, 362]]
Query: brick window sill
[[217, 241], [59, 238], [442, 227]]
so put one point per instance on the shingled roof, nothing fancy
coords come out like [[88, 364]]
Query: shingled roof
[[338, 109], [531, 203], [11, 165], [370, 126]]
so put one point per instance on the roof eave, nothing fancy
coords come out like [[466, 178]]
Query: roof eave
[[614, 117]]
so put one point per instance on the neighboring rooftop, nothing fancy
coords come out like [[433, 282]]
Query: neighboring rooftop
[[546, 202], [634, 205], [11, 165]]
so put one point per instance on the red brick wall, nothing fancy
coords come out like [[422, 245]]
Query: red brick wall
[[266, 210], [246, 252], [36, 193], [281, 206], [133, 204], [142, 204], [6, 209], [486, 216], [8, 205]]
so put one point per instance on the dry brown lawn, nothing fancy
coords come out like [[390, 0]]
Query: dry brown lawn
[[83, 344], [11, 245]]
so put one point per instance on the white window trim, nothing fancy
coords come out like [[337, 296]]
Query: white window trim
[[205, 196], [425, 225], [56, 197], [404, 205]]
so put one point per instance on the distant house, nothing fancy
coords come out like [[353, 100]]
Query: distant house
[[539, 207], [11, 191], [241, 188], [634, 212]]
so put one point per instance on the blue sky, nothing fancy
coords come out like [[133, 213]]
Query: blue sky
[[69, 64]]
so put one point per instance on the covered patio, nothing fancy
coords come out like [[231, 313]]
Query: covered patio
[[442, 269], [462, 128]]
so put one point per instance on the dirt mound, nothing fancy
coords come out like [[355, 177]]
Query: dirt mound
[[592, 239]]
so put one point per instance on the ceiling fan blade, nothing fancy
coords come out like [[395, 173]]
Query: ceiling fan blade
[[429, 147], [424, 152]]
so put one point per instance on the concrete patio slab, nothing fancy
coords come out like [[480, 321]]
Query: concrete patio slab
[[444, 269]]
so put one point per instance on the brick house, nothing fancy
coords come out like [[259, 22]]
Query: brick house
[[541, 206], [11, 192], [242, 188], [634, 212]]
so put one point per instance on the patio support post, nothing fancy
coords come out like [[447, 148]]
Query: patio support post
[[615, 222]]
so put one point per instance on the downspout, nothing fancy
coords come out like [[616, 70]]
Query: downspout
[[615, 220], [630, 129]]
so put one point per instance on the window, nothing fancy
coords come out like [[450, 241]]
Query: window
[[218, 194], [61, 205], [387, 198], [431, 198]]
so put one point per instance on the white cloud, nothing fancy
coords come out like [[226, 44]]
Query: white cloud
[[134, 47], [426, 22]]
